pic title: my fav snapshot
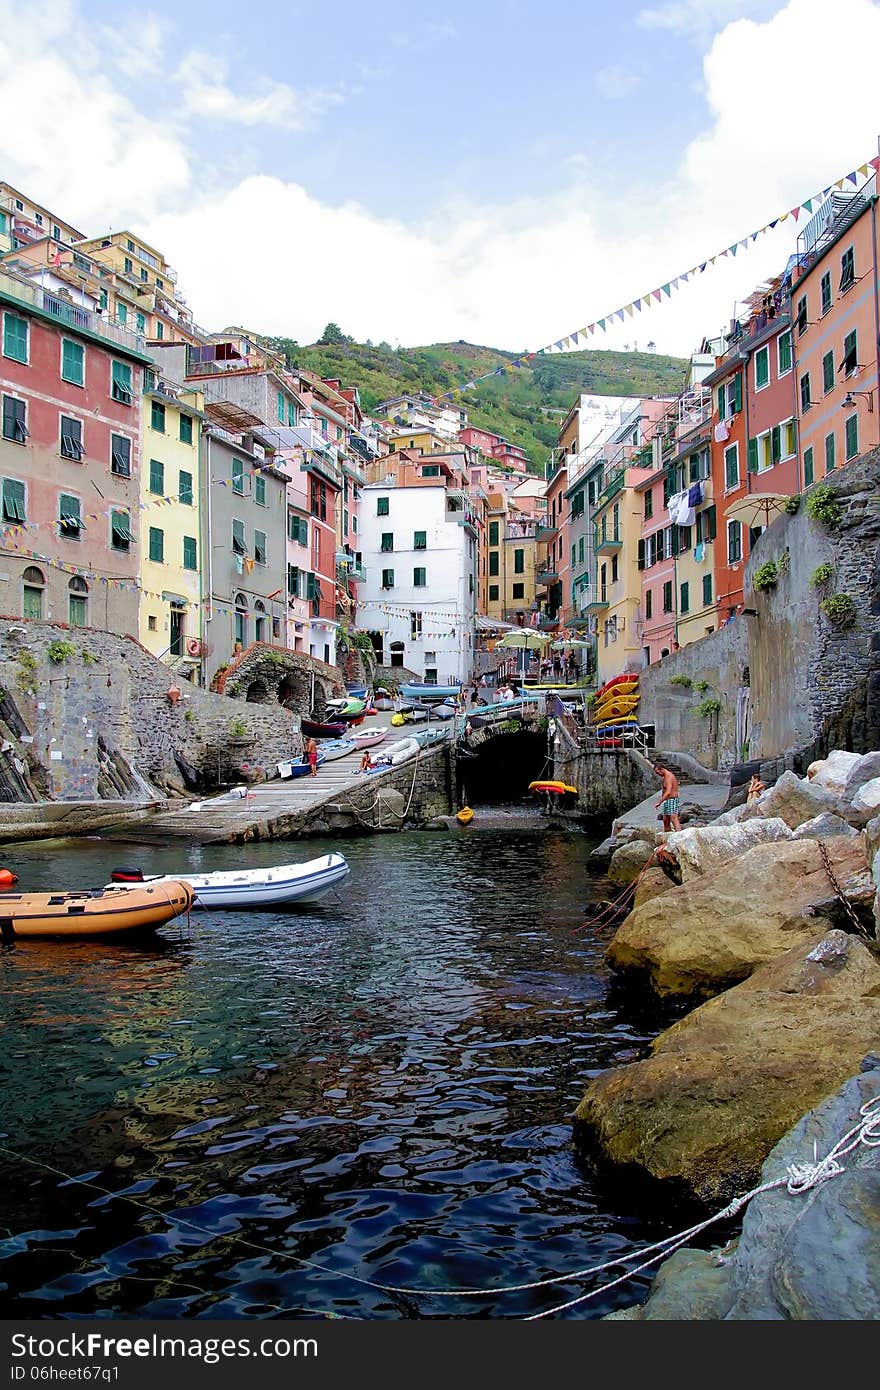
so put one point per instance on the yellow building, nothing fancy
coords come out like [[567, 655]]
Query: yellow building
[[511, 561], [142, 292], [171, 559], [617, 593], [424, 439], [23, 222]]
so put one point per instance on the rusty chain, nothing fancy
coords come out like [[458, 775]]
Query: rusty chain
[[839, 893]]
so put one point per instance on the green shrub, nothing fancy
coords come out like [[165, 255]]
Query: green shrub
[[823, 506], [793, 504], [59, 651], [188, 716], [681, 680], [237, 728], [27, 678], [821, 574], [765, 576], [840, 611], [701, 686], [707, 707], [89, 658]]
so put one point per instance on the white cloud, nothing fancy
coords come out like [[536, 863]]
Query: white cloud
[[425, 35], [700, 17], [206, 92], [616, 81]]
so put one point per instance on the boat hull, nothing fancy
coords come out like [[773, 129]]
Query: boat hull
[[114, 912], [429, 694], [369, 738], [283, 885], [311, 729], [294, 767], [337, 748]]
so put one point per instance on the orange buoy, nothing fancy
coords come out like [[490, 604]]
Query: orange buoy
[[7, 879]]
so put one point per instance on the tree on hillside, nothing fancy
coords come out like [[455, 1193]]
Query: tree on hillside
[[334, 334]]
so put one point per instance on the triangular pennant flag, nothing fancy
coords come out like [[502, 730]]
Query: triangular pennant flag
[[863, 170], [744, 242], [620, 315], [702, 267], [601, 324], [574, 337], [559, 345], [783, 218], [656, 294], [567, 341], [755, 235], [666, 290], [592, 328], [808, 205], [629, 310], [875, 162], [713, 259], [839, 183], [853, 177], [637, 304], [795, 212], [773, 223], [675, 283]]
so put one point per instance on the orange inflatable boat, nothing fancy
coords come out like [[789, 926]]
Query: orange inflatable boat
[[108, 912]]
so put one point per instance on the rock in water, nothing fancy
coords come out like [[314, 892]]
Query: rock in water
[[725, 1083], [703, 851], [714, 931], [628, 861]]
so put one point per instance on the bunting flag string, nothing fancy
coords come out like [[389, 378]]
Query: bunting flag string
[[656, 296]]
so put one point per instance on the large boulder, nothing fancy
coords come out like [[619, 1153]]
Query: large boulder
[[831, 773], [703, 851], [725, 1083], [865, 804], [794, 799], [628, 861], [652, 882], [823, 827], [715, 930], [865, 769], [811, 1256]]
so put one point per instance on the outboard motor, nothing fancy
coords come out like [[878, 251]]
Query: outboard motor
[[127, 876]]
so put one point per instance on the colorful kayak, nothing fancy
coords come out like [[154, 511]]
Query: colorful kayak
[[109, 912], [615, 706], [428, 693], [464, 816], [621, 685], [558, 788]]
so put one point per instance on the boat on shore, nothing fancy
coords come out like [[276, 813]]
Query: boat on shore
[[334, 748], [429, 694], [108, 912], [368, 738], [346, 709], [280, 885], [297, 767], [331, 729]]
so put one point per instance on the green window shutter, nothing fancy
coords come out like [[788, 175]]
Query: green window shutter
[[157, 417], [673, 538], [141, 323], [190, 553], [573, 554], [160, 329], [850, 353], [809, 472], [69, 516], [381, 506], [259, 490], [237, 476], [784, 352], [829, 453], [852, 436], [291, 413], [419, 578], [238, 544], [667, 596], [776, 444], [493, 532], [493, 593], [157, 544], [753, 455], [737, 389], [185, 488], [519, 562], [707, 589], [185, 429], [825, 286], [280, 404], [493, 562], [303, 530], [762, 368], [311, 586], [73, 362], [731, 466], [388, 579], [685, 598], [641, 559], [387, 541], [15, 337], [157, 477], [649, 603], [420, 540], [260, 550], [120, 530], [710, 517], [581, 551], [698, 529], [806, 394], [293, 581], [828, 372], [120, 383], [722, 400]]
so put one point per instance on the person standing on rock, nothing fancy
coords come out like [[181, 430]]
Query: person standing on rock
[[668, 805]]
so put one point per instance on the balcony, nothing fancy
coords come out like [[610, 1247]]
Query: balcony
[[546, 576], [544, 531], [597, 604], [607, 542], [548, 622], [72, 315], [612, 484]]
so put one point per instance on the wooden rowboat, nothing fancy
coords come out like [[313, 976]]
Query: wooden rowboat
[[108, 912]]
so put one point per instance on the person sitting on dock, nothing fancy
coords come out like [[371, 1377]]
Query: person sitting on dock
[[669, 804], [366, 761]]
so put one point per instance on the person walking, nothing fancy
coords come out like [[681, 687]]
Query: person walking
[[669, 803], [312, 756]]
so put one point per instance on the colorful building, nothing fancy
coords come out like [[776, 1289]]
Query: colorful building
[[139, 288], [22, 222]]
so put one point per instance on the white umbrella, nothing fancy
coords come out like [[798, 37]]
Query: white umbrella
[[523, 639], [758, 509], [571, 643]]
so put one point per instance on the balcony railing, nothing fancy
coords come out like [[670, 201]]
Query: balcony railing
[[73, 315], [612, 483], [608, 541]]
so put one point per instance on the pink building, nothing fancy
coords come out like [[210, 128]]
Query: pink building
[[70, 461], [657, 563], [770, 395]]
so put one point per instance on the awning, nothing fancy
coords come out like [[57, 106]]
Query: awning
[[484, 624]]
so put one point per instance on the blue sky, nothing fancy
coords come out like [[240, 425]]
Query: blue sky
[[499, 171]]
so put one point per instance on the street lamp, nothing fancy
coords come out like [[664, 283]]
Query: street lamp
[[849, 400]]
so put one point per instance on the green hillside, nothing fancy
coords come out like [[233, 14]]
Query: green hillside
[[525, 405]]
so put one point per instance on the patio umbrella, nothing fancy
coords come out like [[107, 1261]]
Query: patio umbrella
[[524, 639], [571, 644], [758, 509]]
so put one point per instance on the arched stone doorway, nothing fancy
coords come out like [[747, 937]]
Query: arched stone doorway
[[257, 693]]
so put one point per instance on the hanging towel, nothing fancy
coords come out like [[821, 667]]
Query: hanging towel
[[700, 552], [673, 505], [721, 432], [695, 495]]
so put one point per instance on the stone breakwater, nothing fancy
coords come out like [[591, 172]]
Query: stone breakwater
[[771, 931]]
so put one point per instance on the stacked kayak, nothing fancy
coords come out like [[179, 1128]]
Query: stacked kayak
[[109, 912], [430, 694], [616, 703]]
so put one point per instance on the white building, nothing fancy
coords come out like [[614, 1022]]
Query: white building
[[419, 597]]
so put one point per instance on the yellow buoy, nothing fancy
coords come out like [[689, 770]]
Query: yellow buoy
[[465, 815], [397, 720]]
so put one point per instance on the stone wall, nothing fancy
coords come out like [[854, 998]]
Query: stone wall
[[97, 723], [673, 709], [414, 793], [267, 675]]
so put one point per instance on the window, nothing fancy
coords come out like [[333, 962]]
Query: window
[[120, 383], [420, 540], [667, 596], [783, 352], [493, 562], [825, 289], [71, 438], [684, 602], [828, 372], [291, 413], [493, 593], [77, 602], [157, 477], [493, 532], [734, 542], [806, 398], [649, 603], [238, 476], [415, 626], [157, 417], [120, 530], [519, 562], [809, 471], [144, 275], [293, 581], [141, 323], [731, 466], [240, 627], [15, 420], [279, 401], [614, 573], [847, 270], [430, 671], [73, 362], [789, 439], [297, 528], [160, 329], [382, 506], [260, 550], [69, 517], [387, 542], [801, 319], [160, 284], [707, 589], [190, 553], [851, 431], [33, 585], [238, 545], [420, 578], [13, 500], [120, 455], [121, 311], [185, 429], [185, 488], [850, 354], [649, 504], [581, 543], [762, 368], [829, 453], [573, 554], [431, 470], [519, 591], [15, 338], [388, 579], [129, 268], [157, 544], [259, 489]]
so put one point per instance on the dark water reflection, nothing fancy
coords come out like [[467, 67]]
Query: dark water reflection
[[382, 1084]]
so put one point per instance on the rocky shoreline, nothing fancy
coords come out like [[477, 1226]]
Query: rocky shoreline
[[764, 923]]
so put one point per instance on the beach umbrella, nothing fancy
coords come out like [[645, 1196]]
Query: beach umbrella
[[571, 644], [523, 639], [758, 509]]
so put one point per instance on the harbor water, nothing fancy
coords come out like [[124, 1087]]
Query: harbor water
[[380, 1084]]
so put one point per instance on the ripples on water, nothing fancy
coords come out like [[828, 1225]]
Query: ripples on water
[[381, 1083]]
